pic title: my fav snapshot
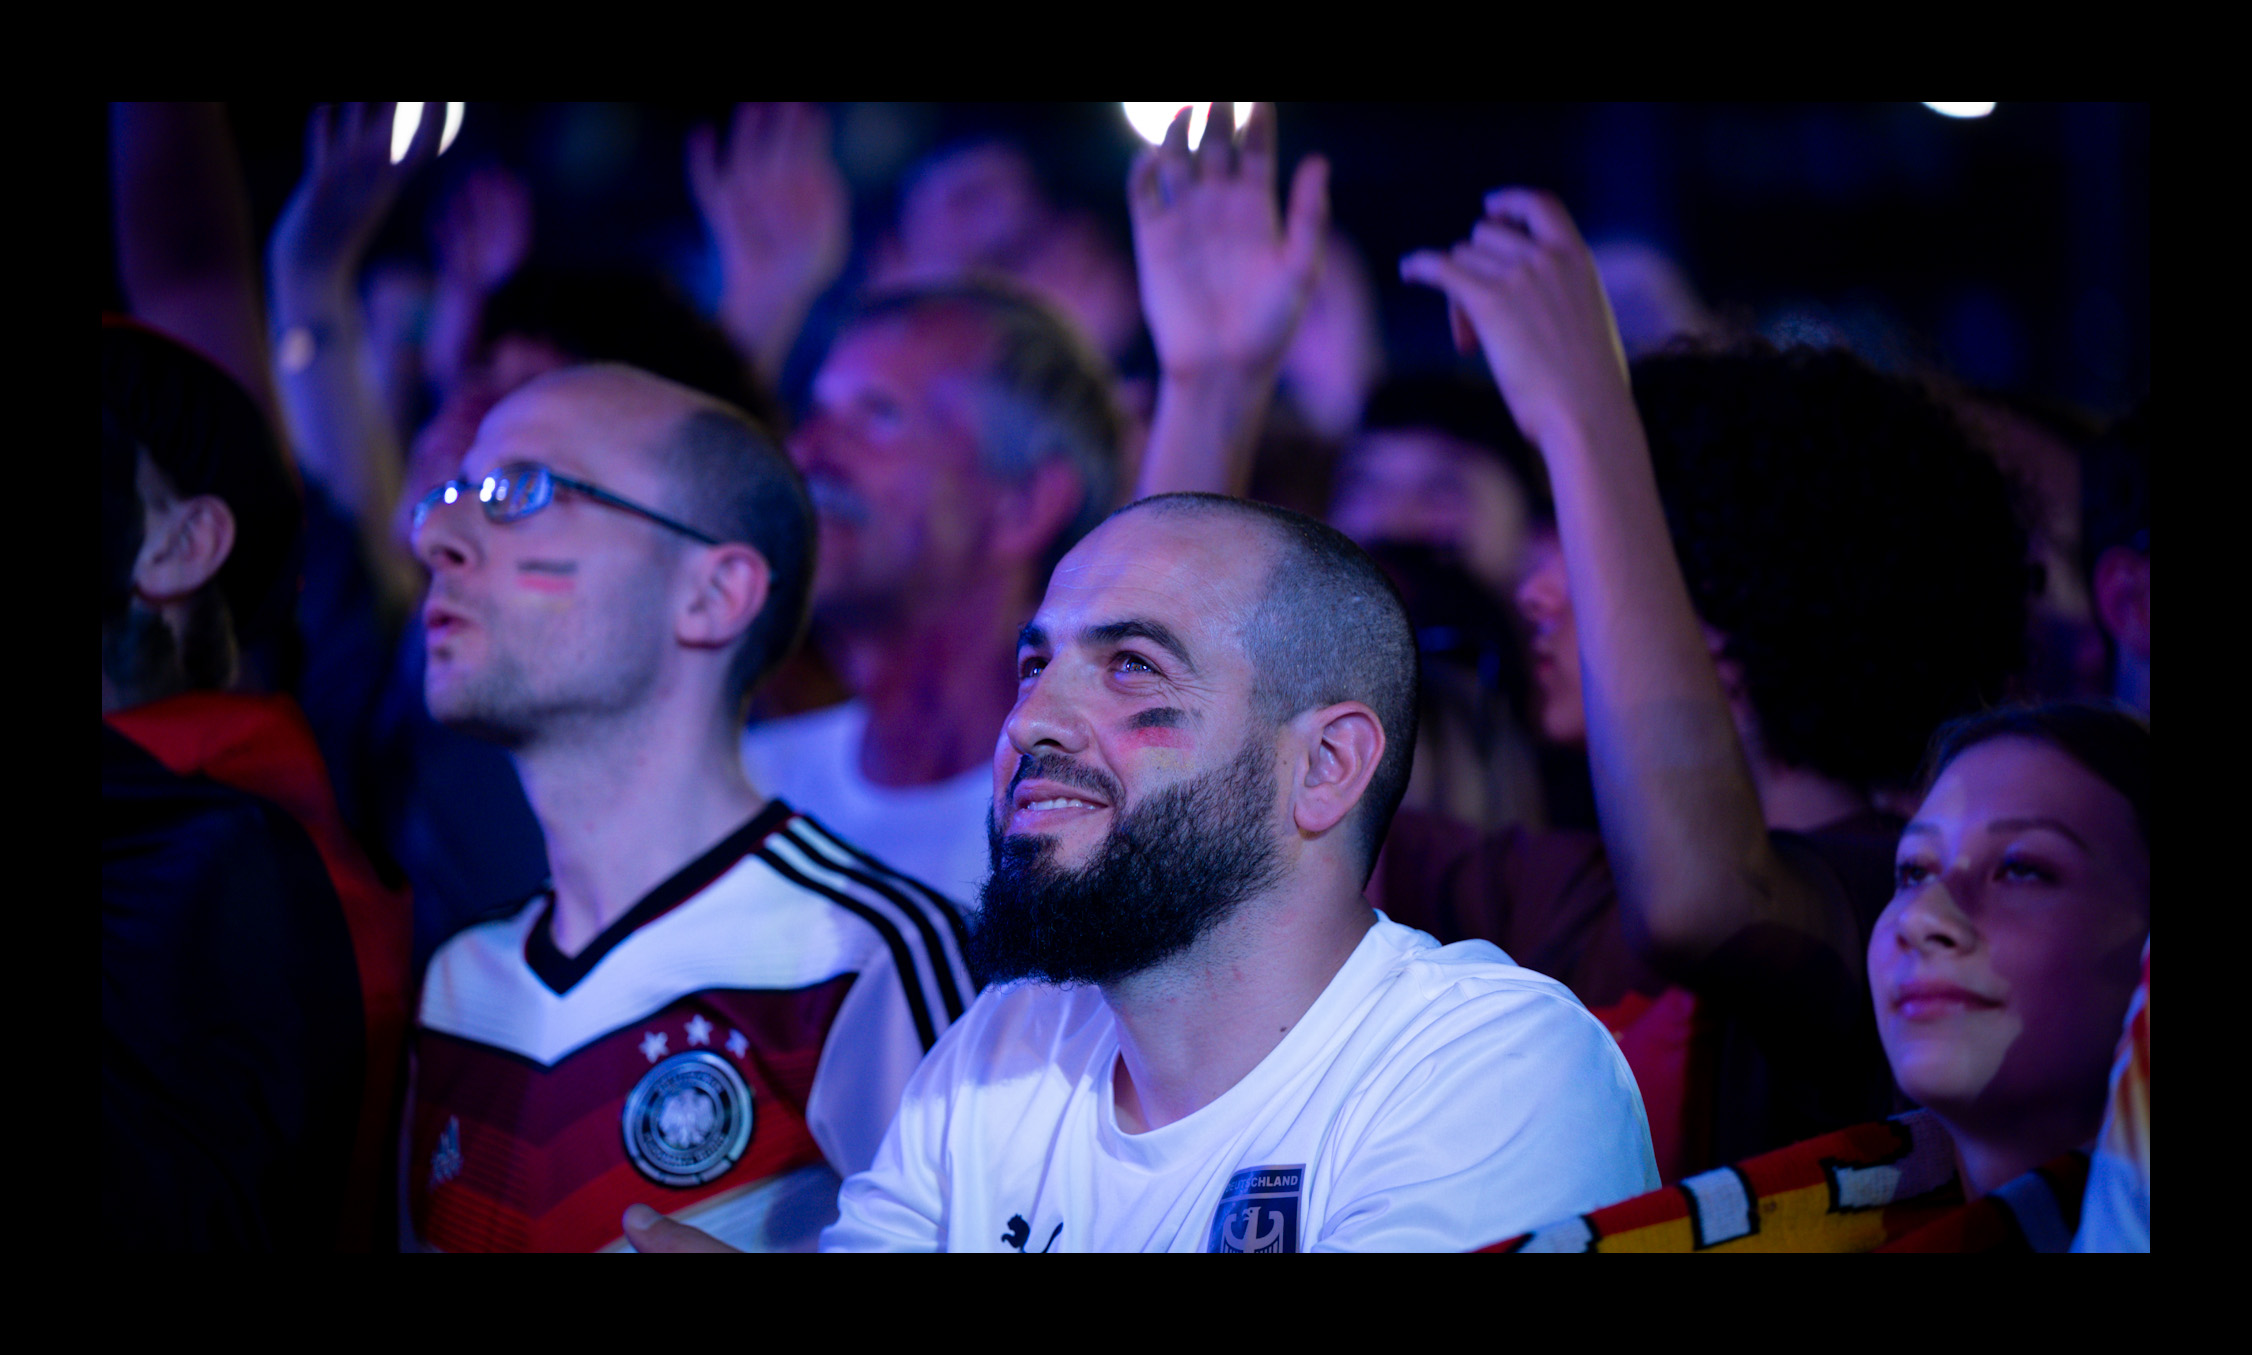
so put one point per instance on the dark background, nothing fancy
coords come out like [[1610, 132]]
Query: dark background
[[2012, 250]]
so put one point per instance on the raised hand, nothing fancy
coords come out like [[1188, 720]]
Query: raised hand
[[349, 186], [1225, 277], [1524, 289], [779, 214]]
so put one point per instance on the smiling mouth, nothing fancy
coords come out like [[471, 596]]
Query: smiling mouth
[[1937, 1001]]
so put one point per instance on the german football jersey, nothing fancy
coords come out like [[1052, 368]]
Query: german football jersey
[[726, 1051]]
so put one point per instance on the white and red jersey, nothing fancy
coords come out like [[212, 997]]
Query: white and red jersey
[[726, 1051]]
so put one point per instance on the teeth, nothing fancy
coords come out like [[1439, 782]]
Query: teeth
[[1059, 804]]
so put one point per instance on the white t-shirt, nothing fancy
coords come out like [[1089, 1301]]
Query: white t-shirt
[[935, 833], [1432, 1099]]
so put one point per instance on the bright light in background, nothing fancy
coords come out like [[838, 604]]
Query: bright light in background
[[1151, 120], [1961, 110], [406, 120]]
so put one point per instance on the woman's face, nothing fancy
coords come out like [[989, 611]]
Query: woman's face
[[2001, 969]]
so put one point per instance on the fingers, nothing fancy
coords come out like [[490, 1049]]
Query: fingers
[[1257, 143], [1216, 154], [1175, 170], [1306, 220], [1540, 215], [1144, 195], [1502, 240], [651, 1231]]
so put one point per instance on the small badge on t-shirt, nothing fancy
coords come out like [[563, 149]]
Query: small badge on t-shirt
[[1259, 1211]]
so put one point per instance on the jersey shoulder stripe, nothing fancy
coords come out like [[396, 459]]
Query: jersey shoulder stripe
[[936, 920]]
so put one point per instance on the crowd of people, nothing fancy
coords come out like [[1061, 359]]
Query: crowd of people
[[1108, 768]]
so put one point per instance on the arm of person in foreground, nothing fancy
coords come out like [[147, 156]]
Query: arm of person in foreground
[[1225, 279], [337, 422], [1680, 816], [184, 249], [780, 218]]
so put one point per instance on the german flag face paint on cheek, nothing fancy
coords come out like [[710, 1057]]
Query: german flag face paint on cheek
[[556, 578], [1158, 727]]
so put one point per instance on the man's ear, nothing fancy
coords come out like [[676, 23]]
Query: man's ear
[[728, 590], [2123, 598], [1035, 512], [185, 544], [1343, 744]]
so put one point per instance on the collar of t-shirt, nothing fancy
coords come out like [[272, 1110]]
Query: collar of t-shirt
[[562, 972], [1302, 1054]]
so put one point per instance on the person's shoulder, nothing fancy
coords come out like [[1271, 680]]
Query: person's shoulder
[[1428, 988], [809, 854], [909, 926]]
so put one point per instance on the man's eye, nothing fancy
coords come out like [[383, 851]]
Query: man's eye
[[1135, 663], [1910, 875], [1030, 667]]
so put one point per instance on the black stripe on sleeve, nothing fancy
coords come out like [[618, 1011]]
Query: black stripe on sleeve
[[946, 907], [902, 959], [886, 883]]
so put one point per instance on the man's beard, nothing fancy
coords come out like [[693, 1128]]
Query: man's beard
[[1168, 873]]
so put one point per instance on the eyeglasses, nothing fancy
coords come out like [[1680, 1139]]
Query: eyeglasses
[[515, 492]]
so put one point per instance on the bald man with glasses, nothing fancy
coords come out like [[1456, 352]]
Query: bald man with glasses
[[713, 999]]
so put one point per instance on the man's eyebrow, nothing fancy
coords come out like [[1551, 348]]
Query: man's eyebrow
[[1111, 632], [1919, 827], [2020, 825], [1032, 637]]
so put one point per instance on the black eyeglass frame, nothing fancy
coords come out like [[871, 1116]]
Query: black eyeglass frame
[[537, 484]]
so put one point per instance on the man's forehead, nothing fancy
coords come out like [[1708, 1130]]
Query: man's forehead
[[1198, 574], [578, 427], [924, 344]]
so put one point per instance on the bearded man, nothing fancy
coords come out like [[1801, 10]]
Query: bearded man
[[1198, 1035]]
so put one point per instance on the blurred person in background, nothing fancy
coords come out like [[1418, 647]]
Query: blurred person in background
[[2002, 970], [1740, 693], [1438, 465], [712, 997], [960, 436], [2041, 446], [2115, 545], [253, 966]]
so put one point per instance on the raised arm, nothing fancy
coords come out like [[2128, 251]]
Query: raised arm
[[1225, 278], [1680, 815], [780, 217], [336, 418], [184, 249]]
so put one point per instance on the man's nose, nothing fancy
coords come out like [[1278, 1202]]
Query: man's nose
[[1046, 717], [446, 537]]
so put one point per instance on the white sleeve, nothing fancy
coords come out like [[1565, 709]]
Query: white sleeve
[[872, 1050], [900, 1202], [1511, 1110]]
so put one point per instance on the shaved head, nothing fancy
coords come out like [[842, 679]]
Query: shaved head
[[1327, 626]]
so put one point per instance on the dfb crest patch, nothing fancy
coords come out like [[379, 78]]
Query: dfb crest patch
[[688, 1120], [1259, 1211]]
